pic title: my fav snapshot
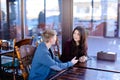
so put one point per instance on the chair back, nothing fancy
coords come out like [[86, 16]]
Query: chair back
[[4, 44], [25, 55], [25, 52], [56, 48], [20, 43], [24, 42]]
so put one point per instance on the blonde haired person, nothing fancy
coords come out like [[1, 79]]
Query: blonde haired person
[[44, 63]]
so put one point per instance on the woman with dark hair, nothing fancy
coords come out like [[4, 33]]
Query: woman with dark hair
[[77, 46]]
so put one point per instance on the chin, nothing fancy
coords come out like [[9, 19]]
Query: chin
[[76, 40]]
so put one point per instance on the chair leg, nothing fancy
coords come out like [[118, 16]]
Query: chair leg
[[14, 77], [15, 73]]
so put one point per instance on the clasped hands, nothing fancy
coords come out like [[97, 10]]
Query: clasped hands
[[81, 59]]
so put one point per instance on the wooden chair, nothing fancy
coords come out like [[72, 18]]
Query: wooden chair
[[9, 55], [4, 45], [11, 64], [13, 55], [56, 48], [25, 53], [14, 64]]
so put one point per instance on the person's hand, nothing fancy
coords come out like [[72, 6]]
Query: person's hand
[[82, 59], [74, 60]]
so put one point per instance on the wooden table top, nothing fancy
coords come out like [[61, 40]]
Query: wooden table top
[[94, 63], [93, 69], [76, 73]]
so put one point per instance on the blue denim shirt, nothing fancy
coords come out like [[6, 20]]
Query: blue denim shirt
[[43, 63]]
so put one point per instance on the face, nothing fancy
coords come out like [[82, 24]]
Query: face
[[76, 36]]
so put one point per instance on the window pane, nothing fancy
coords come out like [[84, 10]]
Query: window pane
[[83, 14], [3, 18], [111, 29], [9, 19], [33, 14], [99, 17], [53, 17]]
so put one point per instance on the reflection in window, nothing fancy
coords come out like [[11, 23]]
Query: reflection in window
[[8, 20], [3, 17]]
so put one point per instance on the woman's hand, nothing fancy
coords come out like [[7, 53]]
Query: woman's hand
[[74, 60], [82, 58]]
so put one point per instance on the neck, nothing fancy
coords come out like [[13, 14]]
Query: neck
[[77, 43], [48, 45]]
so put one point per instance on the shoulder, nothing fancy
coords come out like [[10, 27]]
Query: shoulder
[[42, 45], [42, 48]]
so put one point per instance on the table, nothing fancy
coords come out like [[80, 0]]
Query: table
[[92, 69], [94, 63], [3, 52], [76, 73]]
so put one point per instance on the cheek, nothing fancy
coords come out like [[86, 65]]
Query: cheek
[[74, 36], [78, 37], [54, 41]]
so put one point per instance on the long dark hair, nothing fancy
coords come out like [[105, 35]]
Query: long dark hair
[[81, 49]]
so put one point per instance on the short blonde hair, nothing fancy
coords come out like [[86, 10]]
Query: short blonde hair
[[47, 34]]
